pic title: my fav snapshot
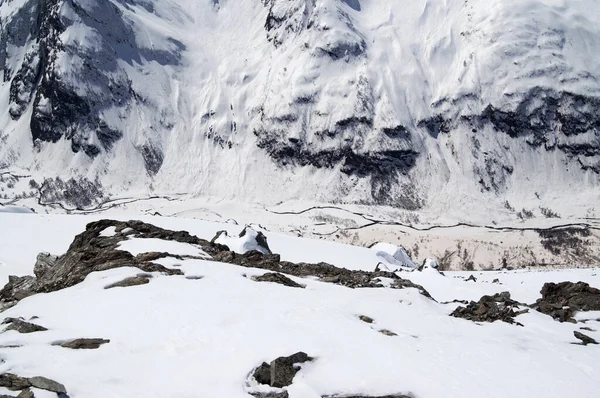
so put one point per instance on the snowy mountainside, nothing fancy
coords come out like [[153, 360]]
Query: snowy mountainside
[[409, 104], [199, 320]]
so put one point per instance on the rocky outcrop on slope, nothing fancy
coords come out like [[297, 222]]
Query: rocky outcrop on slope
[[92, 251], [585, 339], [491, 308], [84, 343], [562, 300]]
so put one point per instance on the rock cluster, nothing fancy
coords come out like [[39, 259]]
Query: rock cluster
[[490, 308], [23, 384], [562, 300]]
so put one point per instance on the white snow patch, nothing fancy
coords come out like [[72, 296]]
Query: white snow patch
[[393, 255], [137, 246], [108, 231]]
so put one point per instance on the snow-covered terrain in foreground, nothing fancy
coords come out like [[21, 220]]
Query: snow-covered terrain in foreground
[[180, 337]]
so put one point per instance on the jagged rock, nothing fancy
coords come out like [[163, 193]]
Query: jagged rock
[[17, 288], [84, 344], [496, 280], [14, 382], [490, 308], [21, 326], [141, 279], [276, 277], [44, 383], [43, 263], [471, 278], [562, 300], [387, 332], [366, 319], [281, 371], [585, 340]]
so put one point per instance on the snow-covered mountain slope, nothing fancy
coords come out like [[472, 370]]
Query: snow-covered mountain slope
[[411, 104], [202, 331]]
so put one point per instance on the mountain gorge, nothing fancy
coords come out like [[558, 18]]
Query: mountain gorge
[[409, 104]]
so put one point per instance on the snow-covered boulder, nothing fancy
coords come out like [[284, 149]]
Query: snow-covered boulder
[[249, 239], [393, 255]]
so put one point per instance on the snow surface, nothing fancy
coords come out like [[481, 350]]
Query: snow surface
[[176, 337]]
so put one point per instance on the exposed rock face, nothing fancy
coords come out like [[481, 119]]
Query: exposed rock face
[[85, 344], [490, 308], [281, 371], [276, 277], [22, 327], [562, 300], [585, 339], [14, 382]]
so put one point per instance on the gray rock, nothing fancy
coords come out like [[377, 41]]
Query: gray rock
[[14, 382], [387, 332], [44, 383], [276, 277], [262, 374], [471, 278], [585, 340], [84, 344], [21, 326], [131, 281], [367, 396]]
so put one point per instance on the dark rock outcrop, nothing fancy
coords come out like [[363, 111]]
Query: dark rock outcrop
[[276, 277], [366, 319], [585, 339], [490, 308], [90, 252], [22, 326], [562, 300], [84, 344], [14, 382], [47, 384], [281, 371]]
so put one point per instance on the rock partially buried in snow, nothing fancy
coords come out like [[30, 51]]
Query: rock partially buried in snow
[[47, 384], [490, 308], [248, 240], [281, 371], [22, 326], [367, 396], [276, 277], [393, 256], [585, 339], [84, 344], [14, 382], [137, 280]]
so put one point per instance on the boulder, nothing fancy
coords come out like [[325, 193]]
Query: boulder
[[44, 383], [366, 319], [281, 371], [562, 300], [14, 382]]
